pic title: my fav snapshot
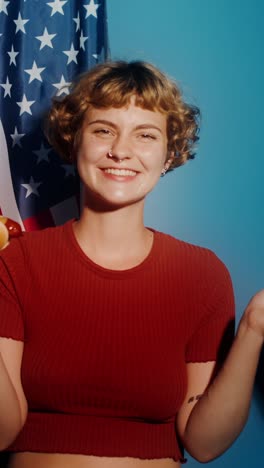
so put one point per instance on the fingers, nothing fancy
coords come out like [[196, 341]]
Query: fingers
[[3, 235], [13, 228]]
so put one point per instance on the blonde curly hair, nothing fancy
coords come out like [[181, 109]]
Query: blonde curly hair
[[112, 84]]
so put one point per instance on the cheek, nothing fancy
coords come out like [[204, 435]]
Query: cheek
[[91, 150], [85, 155], [155, 159]]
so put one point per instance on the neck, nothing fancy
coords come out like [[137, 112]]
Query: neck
[[114, 239]]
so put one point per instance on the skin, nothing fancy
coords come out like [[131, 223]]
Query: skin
[[3, 235], [112, 223], [137, 139], [112, 215]]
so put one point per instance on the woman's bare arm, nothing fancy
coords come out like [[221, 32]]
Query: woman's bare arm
[[219, 415], [13, 405]]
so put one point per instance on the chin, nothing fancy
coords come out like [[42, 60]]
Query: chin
[[102, 204]]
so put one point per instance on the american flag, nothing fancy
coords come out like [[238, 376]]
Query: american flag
[[43, 46]]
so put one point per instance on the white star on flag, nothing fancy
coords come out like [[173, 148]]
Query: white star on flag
[[91, 9], [25, 105], [34, 72], [32, 187], [7, 87], [42, 153], [77, 21], [3, 5], [12, 54], [57, 6], [46, 39], [20, 24], [72, 54], [62, 86], [83, 39], [16, 137]]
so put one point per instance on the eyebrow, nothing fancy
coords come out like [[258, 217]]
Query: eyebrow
[[111, 124]]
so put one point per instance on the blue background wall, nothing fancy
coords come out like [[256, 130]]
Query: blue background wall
[[215, 51]]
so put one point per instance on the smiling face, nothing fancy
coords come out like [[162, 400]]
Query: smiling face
[[136, 139]]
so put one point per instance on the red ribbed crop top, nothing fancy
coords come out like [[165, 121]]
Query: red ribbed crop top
[[104, 364]]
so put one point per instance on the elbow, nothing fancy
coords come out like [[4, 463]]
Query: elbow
[[7, 439], [204, 457], [10, 431], [203, 453], [8, 436]]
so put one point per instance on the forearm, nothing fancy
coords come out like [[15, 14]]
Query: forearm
[[220, 415], [11, 420]]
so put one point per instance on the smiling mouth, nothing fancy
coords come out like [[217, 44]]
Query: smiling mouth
[[121, 172]]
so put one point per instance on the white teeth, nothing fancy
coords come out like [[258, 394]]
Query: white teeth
[[120, 172]]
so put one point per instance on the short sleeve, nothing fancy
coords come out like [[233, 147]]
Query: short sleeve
[[11, 321], [214, 333]]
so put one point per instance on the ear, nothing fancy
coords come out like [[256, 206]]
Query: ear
[[167, 164], [169, 160]]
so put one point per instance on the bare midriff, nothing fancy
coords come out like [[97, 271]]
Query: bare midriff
[[47, 460]]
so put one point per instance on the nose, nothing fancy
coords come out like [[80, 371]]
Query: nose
[[121, 149]]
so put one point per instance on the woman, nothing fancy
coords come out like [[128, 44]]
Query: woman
[[121, 328]]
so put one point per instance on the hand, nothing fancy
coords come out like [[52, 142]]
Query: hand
[[4, 236], [253, 316], [8, 229]]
